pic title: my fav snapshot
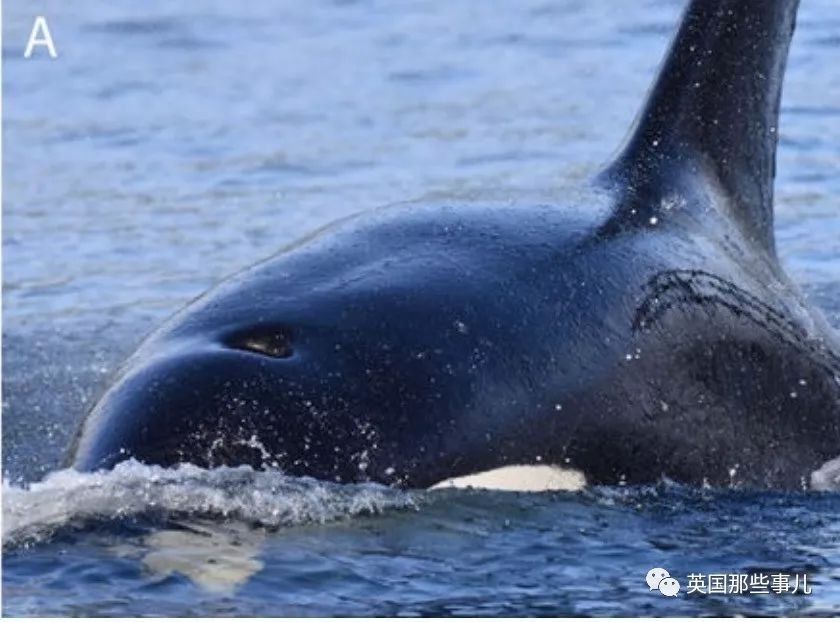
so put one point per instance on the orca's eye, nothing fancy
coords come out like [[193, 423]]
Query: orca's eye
[[275, 342]]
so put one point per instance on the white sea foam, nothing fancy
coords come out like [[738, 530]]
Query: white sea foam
[[269, 498]]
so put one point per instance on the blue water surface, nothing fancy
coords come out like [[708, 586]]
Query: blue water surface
[[171, 144]]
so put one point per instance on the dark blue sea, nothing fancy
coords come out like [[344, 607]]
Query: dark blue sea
[[172, 144]]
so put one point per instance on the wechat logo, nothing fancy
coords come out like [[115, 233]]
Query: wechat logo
[[660, 579]]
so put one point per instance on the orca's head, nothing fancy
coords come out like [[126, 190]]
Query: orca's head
[[403, 353], [332, 404]]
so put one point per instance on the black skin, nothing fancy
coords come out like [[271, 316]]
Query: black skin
[[638, 328]]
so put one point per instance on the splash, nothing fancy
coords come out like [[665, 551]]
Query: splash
[[67, 498]]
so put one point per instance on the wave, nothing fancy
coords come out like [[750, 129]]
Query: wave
[[69, 499]]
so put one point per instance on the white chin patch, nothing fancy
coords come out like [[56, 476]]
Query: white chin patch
[[520, 478], [218, 558], [827, 477]]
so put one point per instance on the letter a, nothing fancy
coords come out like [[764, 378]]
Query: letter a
[[40, 36]]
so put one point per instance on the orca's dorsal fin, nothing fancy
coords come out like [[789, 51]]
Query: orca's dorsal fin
[[715, 108]]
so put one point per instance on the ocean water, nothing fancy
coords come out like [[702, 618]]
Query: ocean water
[[170, 145]]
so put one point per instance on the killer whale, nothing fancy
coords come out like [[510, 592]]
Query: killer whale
[[638, 327]]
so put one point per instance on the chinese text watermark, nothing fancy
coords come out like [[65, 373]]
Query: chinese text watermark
[[775, 583]]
